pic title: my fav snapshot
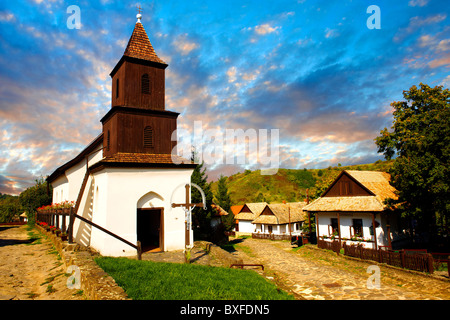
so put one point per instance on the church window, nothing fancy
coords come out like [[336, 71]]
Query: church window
[[145, 84], [148, 137]]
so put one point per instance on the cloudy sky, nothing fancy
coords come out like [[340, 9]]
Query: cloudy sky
[[312, 69]]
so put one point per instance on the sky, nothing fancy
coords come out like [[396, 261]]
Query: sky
[[313, 70]]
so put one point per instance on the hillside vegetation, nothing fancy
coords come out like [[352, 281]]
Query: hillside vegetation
[[287, 184]]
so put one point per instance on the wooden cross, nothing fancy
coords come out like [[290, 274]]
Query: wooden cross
[[187, 208]]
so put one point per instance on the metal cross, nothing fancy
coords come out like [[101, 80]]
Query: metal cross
[[139, 9]]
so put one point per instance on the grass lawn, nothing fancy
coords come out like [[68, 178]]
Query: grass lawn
[[148, 280]]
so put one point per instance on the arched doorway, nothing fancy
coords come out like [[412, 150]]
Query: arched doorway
[[150, 222], [150, 229]]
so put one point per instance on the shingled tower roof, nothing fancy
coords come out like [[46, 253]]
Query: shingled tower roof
[[140, 47]]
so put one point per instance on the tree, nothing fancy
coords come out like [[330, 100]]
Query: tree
[[35, 197], [420, 143], [224, 201], [201, 218], [9, 208]]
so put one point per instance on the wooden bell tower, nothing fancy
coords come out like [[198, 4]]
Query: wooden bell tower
[[138, 121]]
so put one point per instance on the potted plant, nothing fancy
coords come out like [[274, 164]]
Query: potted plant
[[63, 236]]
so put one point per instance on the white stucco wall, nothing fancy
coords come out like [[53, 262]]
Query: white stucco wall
[[323, 219], [118, 193], [246, 226]]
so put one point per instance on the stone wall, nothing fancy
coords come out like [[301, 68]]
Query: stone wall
[[95, 283]]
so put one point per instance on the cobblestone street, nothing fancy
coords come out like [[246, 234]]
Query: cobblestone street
[[316, 274]]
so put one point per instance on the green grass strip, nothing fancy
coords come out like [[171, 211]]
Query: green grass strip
[[147, 280]]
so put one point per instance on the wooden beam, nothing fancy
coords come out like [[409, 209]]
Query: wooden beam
[[339, 228], [374, 230]]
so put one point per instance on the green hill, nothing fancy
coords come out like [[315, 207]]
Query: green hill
[[287, 184]]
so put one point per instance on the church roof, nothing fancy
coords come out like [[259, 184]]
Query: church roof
[[124, 159], [140, 47]]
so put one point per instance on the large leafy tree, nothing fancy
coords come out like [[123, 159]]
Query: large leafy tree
[[36, 196], [419, 140]]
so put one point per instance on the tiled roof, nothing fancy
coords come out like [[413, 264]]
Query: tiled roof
[[236, 209], [122, 157], [139, 46]]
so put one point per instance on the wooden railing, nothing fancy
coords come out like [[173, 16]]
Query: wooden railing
[[51, 217], [418, 260], [271, 236]]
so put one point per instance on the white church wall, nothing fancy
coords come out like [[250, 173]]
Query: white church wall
[[124, 191]]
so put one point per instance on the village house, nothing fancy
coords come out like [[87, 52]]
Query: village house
[[275, 220], [352, 209], [235, 210], [248, 213], [127, 179]]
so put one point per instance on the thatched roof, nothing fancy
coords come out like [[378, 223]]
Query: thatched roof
[[362, 203], [376, 182], [255, 211], [282, 213]]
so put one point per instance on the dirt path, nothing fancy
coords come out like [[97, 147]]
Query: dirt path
[[30, 268], [321, 275]]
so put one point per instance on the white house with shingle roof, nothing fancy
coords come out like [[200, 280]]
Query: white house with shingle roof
[[277, 217], [352, 209], [248, 213]]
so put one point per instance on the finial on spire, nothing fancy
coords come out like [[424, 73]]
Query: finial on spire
[[139, 15]]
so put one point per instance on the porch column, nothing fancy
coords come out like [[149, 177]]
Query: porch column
[[374, 230], [317, 225], [339, 228]]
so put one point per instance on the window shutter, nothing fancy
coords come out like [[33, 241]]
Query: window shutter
[[145, 84], [148, 137]]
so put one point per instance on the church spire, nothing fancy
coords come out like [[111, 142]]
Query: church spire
[[139, 45]]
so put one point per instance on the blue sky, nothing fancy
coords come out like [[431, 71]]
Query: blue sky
[[311, 69]]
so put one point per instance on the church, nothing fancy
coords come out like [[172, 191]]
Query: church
[[127, 179]]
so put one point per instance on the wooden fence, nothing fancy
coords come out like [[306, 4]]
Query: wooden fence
[[271, 236], [329, 245], [51, 217], [418, 260]]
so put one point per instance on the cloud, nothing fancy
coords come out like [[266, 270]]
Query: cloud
[[418, 22], [265, 29], [418, 3], [183, 45]]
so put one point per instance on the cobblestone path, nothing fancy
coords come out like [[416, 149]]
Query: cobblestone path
[[315, 274], [30, 268]]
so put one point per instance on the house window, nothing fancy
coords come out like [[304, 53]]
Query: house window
[[117, 88], [145, 84], [148, 137], [334, 226], [358, 227]]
